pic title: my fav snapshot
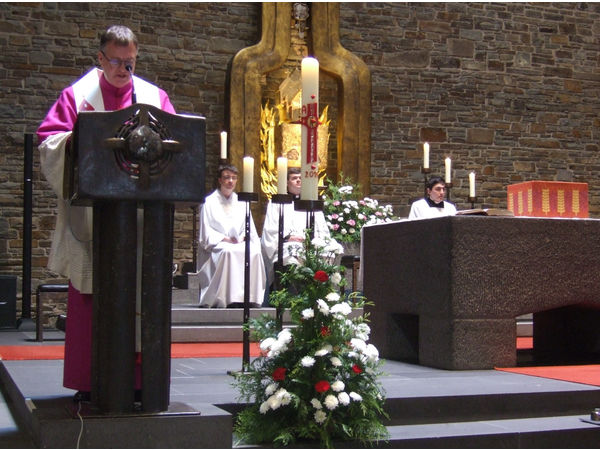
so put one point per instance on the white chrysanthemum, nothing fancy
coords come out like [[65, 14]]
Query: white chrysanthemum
[[338, 386], [335, 361], [274, 402], [353, 355], [264, 407], [344, 398], [331, 402], [341, 308], [307, 361], [343, 231], [316, 403], [371, 352], [356, 397], [336, 278], [324, 350], [308, 313], [271, 388], [266, 344], [320, 416], [362, 331], [333, 296], [347, 210], [276, 348], [346, 190], [358, 344], [285, 336], [323, 307], [283, 396]]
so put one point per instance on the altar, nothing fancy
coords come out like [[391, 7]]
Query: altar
[[446, 291]]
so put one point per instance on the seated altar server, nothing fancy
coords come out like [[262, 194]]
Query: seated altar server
[[294, 225], [221, 253], [107, 88], [434, 204]]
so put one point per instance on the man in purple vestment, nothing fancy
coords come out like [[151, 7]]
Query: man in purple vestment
[[108, 88]]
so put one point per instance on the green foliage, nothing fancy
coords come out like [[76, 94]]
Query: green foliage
[[316, 381], [346, 212]]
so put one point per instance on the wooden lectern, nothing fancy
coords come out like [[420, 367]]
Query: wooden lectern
[[126, 164]]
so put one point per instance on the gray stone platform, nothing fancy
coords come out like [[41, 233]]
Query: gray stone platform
[[447, 290]]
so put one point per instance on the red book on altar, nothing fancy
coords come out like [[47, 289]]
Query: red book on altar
[[548, 199]]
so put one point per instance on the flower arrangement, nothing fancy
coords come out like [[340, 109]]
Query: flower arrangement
[[346, 212], [318, 379]]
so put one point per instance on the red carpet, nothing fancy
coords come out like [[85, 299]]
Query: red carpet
[[588, 374], [178, 350]]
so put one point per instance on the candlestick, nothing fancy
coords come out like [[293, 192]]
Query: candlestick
[[223, 144], [448, 164], [282, 164], [426, 155], [310, 124], [248, 184], [472, 185]]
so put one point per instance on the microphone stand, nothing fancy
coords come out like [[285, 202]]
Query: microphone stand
[[133, 96]]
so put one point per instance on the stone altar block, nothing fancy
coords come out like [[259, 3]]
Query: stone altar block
[[447, 290]]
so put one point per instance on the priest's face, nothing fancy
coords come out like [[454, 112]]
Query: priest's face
[[294, 184], [227, 182], [437, 193], [114, 59]]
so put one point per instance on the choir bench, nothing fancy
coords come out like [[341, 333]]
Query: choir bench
[[447, 290]]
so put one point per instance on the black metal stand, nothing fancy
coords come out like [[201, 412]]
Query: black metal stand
[[280, 200], [25, 323], [472, 200], [247, 197], [310, 206], [425, 172], [448, 189]]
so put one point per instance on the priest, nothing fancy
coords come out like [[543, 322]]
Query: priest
[[110, 87], [433, 205]]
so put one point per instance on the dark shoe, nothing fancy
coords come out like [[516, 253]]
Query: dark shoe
[[82, 396]]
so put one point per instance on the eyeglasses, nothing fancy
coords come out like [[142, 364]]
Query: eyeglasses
[[229, 177], [116, 62]]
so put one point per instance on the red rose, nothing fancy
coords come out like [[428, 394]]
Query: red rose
[[356, 369], [325, 331], [321, 275], [279, 374], [322, 386]]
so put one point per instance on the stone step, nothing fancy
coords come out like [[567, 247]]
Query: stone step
[[538, 432]]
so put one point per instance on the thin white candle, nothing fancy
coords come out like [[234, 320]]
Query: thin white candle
[[248, 185], [472, 185], [223, 144], [448, 164], [310, 113], [282, 175], [426, 155]]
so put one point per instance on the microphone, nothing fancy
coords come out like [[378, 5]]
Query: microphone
[[133, 96]]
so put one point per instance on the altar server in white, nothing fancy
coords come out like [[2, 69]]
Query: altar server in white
[[294, 225], [434, 204], [221, 253]]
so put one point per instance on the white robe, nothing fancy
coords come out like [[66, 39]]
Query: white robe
[[421, 210], [294, 224], [221, 264]]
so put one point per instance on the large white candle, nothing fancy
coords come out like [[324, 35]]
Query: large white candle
[[248, 185], [448, 170], [310, 118], [472, 185], [282, 175], [426, 155], [223, 144]]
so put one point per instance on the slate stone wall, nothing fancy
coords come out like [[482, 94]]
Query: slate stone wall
[[508, 90]]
